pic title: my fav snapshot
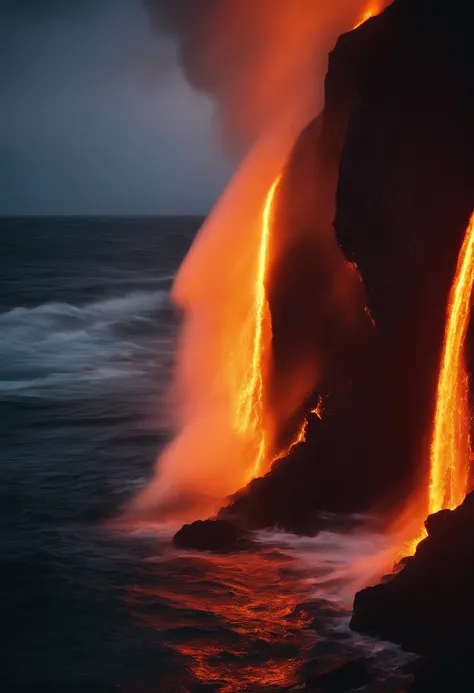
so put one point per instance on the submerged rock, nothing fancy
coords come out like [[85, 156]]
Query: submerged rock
[[347, 677], [220, 536], [387, 168]]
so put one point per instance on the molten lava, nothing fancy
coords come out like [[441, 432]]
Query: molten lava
[[250, 411], [450, 447], [450, 451], [373, 8], [318, 409]]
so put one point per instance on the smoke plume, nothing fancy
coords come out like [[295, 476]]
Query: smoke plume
[[256, 58], [263, 63]]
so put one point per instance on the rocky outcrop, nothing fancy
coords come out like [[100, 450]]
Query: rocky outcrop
[[428, 606], [397, 143], [219, 536]]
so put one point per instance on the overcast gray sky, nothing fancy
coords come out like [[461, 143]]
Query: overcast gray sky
[[96, 116]]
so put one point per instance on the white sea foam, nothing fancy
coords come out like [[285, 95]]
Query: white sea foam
[[55, 346], [335, 565], [341, 562]]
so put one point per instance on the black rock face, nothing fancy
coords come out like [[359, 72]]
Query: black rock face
[[390, 160]]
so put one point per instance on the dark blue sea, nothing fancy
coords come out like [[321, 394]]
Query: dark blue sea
[[87, 348]]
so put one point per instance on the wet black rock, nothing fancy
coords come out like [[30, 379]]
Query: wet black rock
[[428, 606], [429, 602], [220, 536]]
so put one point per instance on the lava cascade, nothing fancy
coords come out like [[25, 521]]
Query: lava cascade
[[225, 426], [450, 451], [450, 448], [224, 429], [250, 407]]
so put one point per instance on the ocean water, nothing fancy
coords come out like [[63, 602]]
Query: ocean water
[[87, 347]]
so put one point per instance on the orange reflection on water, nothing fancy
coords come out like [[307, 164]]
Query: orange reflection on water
[[232, 618]]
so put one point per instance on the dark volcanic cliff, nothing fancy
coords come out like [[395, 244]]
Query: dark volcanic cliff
[[390, 159]]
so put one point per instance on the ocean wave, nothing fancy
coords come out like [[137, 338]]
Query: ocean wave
[[334, 565], [132, 304], [59, 345]]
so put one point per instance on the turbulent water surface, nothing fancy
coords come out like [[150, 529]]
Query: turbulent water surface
[[87, 340]]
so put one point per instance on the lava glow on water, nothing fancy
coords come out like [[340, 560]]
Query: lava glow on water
[[250, 410], [252, 421]]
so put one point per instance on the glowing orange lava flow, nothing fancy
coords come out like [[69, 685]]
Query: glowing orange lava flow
[[450, 446], [251, 408], [373, 8], [300, 436], [450, 452]]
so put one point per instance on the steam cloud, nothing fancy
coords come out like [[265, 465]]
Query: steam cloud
[[263, 63], [255, 57]]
